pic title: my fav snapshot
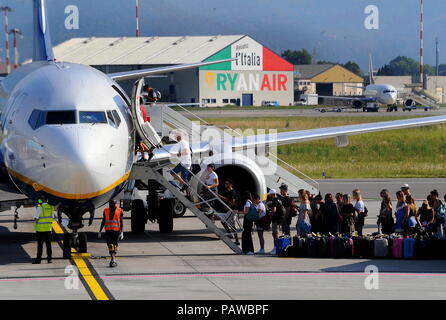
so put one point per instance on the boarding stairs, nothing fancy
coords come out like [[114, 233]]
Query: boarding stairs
[[167, 119], [420, 96], [195, 201]]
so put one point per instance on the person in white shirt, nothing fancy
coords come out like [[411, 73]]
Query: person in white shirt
[[261, 209], [184, 155], [211, 184], [360, 210]]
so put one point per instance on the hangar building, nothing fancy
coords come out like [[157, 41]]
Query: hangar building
[[257, 76], [326, 80]]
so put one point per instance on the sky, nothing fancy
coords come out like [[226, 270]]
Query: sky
[[334, 30]]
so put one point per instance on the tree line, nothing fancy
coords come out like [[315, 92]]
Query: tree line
[[400, 66]]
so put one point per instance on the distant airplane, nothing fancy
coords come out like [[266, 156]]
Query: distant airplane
[[382, 94], [68, 133]]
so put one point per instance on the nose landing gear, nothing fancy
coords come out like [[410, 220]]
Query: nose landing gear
[[75, 240]]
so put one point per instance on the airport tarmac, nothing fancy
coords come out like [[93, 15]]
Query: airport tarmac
[[286, 112], [192, 263]]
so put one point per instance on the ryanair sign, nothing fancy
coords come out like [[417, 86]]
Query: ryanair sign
[[234, 81]]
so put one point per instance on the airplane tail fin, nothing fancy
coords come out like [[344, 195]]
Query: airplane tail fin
[[43, 49], [371, 77]]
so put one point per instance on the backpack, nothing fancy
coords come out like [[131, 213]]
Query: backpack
[[440, 212], [293, 210], [252, 214]]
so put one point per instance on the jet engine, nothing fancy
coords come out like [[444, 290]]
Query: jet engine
[[245, 173], [357, 104], [408, 102]]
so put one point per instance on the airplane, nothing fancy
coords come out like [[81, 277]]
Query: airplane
[[68, 132], [380, 94]]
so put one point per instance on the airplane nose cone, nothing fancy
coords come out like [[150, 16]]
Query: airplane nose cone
[[80, 162], [390, 99]]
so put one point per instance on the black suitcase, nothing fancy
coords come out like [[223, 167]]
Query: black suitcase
[[357, 245], [323, 247], [312, 247], [302, 251], [423, 248]]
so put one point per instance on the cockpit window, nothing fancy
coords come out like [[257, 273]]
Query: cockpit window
[[389, 91], [117, 117], [92, 117], [37, 119], [111, 119], [60, 117]]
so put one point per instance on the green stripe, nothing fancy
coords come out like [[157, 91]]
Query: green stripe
[[223, 54]]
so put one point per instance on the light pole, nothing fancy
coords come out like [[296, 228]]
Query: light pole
[[16, 32], [6, 10]]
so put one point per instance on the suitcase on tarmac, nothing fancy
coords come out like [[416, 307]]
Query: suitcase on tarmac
[[357, 247], [323, 247], [381, 248], [423, 248], [302, 251], [293, 250], [367, 248], [282, 243], [397, 248], [343, 248], [408, 248], [332, 246], [438, 248], [312, 247]]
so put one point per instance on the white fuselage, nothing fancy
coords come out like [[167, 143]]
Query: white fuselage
[[77, 157], [383, 93]]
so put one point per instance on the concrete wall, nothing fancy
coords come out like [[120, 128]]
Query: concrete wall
[[264, 85], [347, 89], [441, 87]]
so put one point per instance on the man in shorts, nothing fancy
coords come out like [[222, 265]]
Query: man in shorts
[[112, 221], [275, 209], [181, 171]]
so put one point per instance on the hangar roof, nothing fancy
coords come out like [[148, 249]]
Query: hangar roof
[[142, 50], [309, 71], [326, 73]]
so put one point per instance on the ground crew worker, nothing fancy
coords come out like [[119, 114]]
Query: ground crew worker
[[44, 224], [112, 221]]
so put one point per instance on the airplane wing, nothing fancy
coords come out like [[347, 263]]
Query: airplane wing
[[164, 154], [147, 72], [331, 132], [362, 99]]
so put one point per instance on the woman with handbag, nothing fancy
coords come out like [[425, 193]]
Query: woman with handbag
[[303, 225], [385, 217], [361, 211]]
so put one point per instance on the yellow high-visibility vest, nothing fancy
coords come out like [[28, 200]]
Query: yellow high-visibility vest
[[45, 221]]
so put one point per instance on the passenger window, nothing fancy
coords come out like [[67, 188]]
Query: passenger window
[[117, 117], [111, 119], [92, 117]]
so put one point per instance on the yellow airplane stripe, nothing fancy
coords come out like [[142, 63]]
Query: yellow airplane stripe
[[84, 270], [75, 196]]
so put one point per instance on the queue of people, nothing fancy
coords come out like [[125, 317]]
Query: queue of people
[[406, 218]]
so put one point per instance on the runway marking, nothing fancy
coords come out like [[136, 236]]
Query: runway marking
[[229, 275], [89, 277]]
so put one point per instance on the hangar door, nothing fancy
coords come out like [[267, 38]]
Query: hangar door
[[324, 89], [247, 99]]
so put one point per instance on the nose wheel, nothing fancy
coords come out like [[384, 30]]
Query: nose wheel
[[74, 240]]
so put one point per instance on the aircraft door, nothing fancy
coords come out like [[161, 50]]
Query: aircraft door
[[145, 130]]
